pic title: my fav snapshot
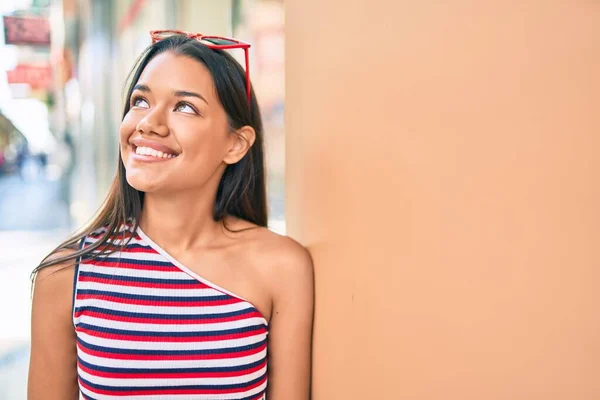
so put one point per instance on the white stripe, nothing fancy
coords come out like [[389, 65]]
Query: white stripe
[[170, 382], [160, 345], [89, 241], [200, 327], [138, 256], [224, 362], [163, 310], [229, 396], [172, 292], [119, 271]]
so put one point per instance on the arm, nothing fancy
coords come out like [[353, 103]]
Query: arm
[[53, 362], [290, 331]]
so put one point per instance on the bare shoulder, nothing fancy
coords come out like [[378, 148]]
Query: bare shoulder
[[58, 273], [281, 251], [53, 285], [53, 340], [280, 263], [282, 260], [271, 249]]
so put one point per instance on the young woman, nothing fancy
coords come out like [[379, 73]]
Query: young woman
[[177, 290]]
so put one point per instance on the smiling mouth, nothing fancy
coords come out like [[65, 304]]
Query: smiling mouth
[[148, 151]]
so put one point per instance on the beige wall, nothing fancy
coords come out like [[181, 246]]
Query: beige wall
[[206, 16], [443, 168]]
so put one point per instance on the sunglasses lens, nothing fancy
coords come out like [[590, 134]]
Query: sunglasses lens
[[164, 35], [218, 41]]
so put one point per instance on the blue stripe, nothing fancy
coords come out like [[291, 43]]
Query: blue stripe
[[165, 316], [139, 246], [132, 261], [241, 386], [140, 279], [167, 353], [102, 329], [169, 370], [157, 299]]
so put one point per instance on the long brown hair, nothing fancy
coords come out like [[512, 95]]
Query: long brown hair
[[241, 192]]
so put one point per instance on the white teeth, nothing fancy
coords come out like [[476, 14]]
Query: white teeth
[[148, 151]]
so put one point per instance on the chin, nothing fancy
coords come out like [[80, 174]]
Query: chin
[[143, 183]]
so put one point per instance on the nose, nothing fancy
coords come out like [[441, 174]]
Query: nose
[[153, 123]]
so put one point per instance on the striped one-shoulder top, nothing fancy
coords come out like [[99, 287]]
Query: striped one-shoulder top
[[149, 328]]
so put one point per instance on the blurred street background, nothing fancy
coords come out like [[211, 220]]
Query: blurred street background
[[63, 64]]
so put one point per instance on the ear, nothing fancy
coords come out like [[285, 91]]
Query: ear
[[241, 141]]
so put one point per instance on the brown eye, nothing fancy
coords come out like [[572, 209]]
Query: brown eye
[[185, 108], [139, 102]]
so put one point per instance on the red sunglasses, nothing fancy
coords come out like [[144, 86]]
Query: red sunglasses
[[213, 42]]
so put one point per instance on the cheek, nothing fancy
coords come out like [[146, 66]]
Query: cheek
[[126, 129], [205, 147], [127, 126]]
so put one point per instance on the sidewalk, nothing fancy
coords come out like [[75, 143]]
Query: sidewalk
[[33, 220], [31, 204], [20, 252]]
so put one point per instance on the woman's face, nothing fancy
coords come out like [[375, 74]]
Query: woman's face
[[175, 135]]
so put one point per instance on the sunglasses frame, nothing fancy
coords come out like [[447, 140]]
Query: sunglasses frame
[[156, 36]]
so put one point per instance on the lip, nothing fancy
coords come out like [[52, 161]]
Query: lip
[[135, 143], [149, 159], [139, 142]]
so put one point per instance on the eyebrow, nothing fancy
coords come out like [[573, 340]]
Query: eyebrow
[[178, 93], [185, 93]]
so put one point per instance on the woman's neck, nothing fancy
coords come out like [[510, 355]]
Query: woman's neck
[[180, 222]]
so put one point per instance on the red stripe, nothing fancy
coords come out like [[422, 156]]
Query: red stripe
[[172, 375], [160, 303], [171, 339], [140, 250], [127, 249], [174, 390], [125, 264], [148, 357], [169, 321], [173, 285]]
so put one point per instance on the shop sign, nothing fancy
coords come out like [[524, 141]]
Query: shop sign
[[38, 77], [26, 30]]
